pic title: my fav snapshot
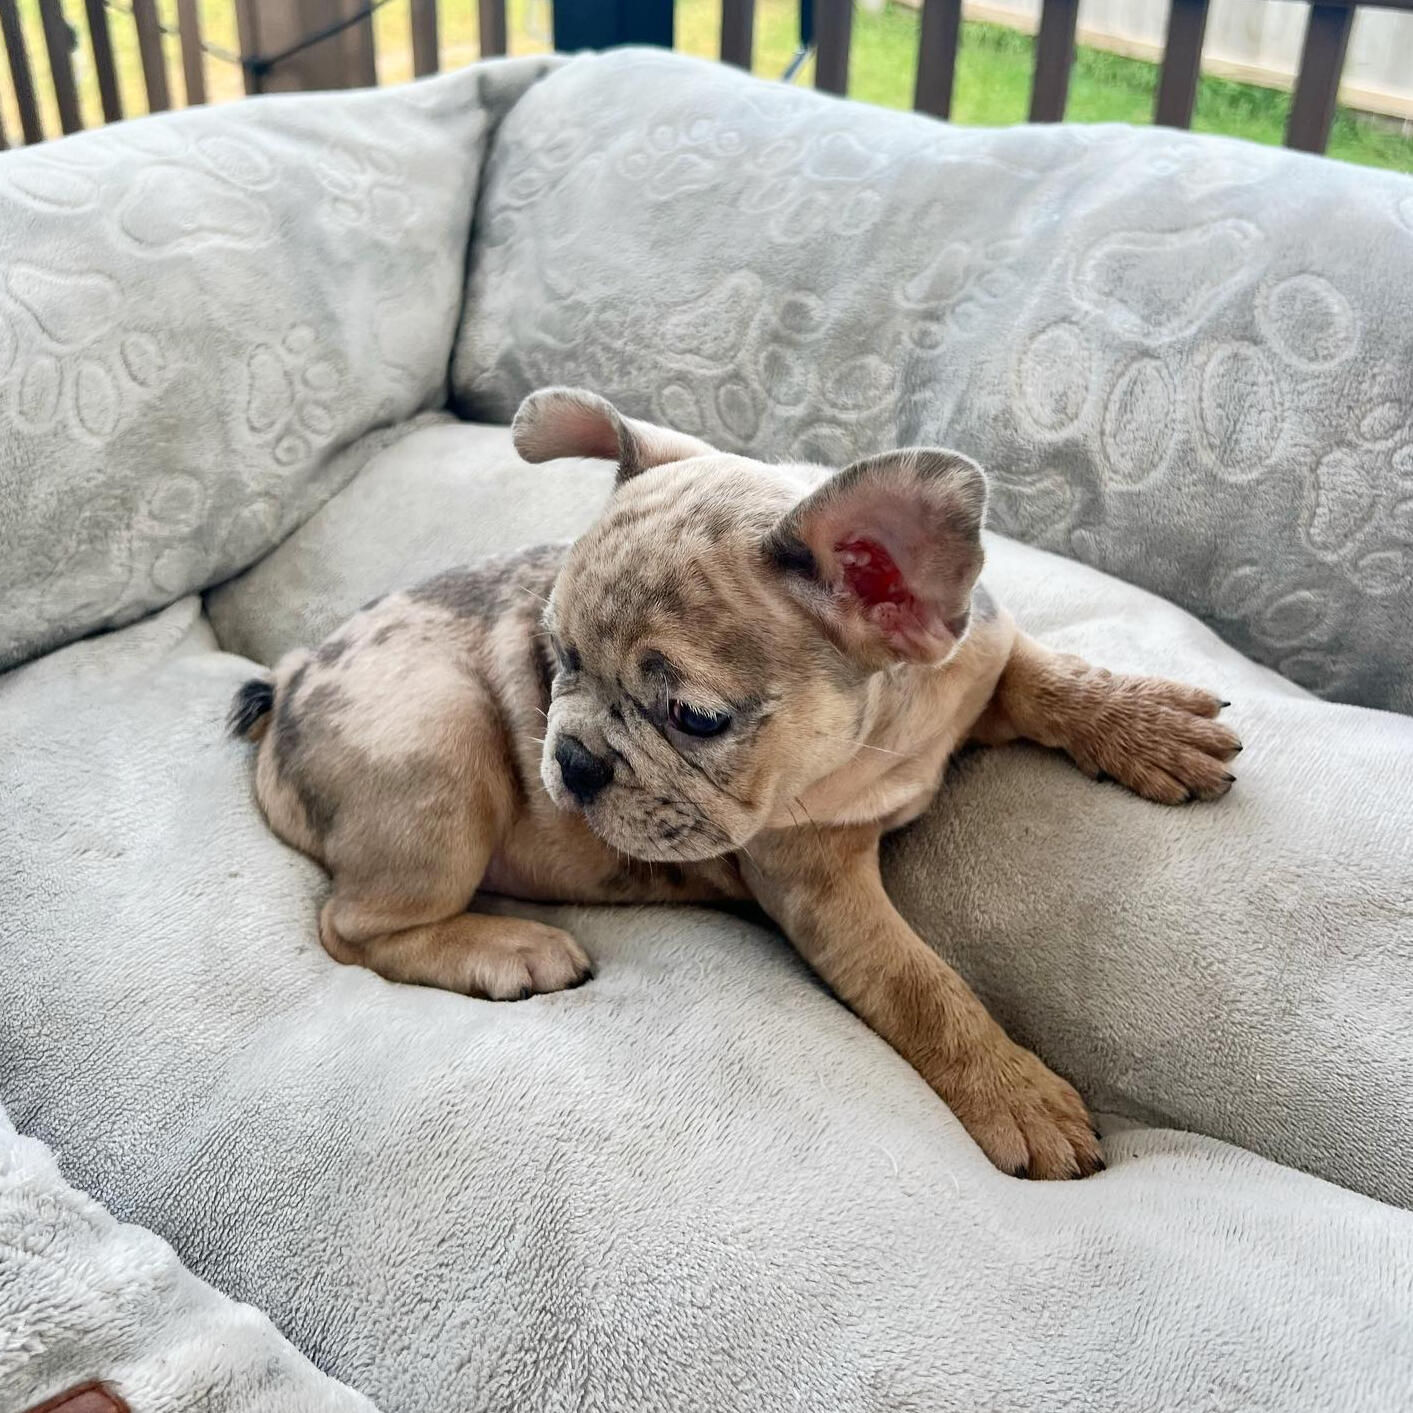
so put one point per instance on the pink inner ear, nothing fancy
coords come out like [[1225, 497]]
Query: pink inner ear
[[592, 433], [872, 575], [870, 572]]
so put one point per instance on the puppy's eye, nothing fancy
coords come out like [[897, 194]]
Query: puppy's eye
[[691, 722]]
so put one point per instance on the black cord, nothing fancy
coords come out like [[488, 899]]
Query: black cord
[[216, 51], [263, 63], [258, 64], [797, 63]]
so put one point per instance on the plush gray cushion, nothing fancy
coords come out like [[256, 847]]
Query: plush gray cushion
[[197, 311], [1185, 360], [445, 494], [84, 1297], [698, 1182], [1240, 969]]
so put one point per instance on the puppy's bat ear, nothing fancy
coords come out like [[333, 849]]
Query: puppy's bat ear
[[885, 554], [558, 422]]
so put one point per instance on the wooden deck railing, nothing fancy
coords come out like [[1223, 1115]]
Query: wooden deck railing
[[311, 44], [1312, 106]]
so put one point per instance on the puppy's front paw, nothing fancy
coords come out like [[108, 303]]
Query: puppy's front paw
[[1158, 738], [524, 958], [1026, 1119]]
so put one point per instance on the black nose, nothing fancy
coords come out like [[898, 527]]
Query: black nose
[[584, 773]]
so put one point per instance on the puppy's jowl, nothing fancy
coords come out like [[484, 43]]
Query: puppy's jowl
[[730, 687]]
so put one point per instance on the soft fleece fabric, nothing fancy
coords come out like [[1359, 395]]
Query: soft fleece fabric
[[1239, 968], [1185, 360], [85, 1297], [697, 1182], [198, 311]]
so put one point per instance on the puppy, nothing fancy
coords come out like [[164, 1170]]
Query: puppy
[[730, 688]]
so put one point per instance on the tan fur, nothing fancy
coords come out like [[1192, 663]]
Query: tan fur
[[1155, 736], [420, 752]]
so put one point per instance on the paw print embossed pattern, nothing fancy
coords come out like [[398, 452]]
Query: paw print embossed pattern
[[68, 366], [184, 351], [1357, 506], [51, 185], [173, 207], [290, 387], [1184, 360], [366, 189], [67, 361]]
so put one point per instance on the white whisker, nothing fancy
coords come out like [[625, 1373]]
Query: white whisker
[[862, 745]]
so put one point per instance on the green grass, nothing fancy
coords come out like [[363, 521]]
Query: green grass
[[992, 86]]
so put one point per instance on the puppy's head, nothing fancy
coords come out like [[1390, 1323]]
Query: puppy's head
[[717, 630]]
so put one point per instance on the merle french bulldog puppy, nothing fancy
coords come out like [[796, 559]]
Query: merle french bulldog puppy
[[730, 688]]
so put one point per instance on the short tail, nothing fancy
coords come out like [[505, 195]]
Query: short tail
[[253, 703]]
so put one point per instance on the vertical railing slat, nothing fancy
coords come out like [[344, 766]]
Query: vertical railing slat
[[193, 60], [833, 24], [937, 56], [21, 76], [57, 39], [248, 38], [738, 24], [101, 43], [359, 54], [492, 19], [1182, 64], [1054, 53], [270, 27], [1312, 109], [154, 62], [1311, 118], [273, 32], [425, 57]]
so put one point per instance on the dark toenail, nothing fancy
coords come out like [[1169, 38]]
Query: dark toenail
[[1021, 1172], [1225, 704], [1237, 749], [525, 993], [1229, 778]]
